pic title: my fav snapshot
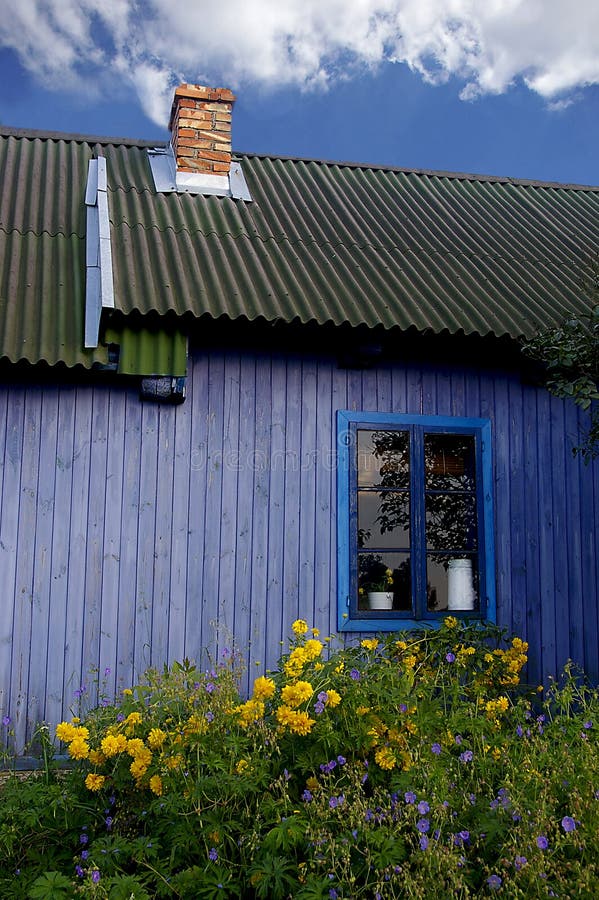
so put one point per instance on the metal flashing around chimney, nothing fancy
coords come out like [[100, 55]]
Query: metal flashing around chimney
[[99, 285], [167, 179]]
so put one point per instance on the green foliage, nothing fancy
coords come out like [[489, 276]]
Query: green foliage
[[414, 766], [570, 356]]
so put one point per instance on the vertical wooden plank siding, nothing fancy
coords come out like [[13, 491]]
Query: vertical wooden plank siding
[[135, 534]]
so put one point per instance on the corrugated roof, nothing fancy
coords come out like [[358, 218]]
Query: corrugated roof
[[320, 242]]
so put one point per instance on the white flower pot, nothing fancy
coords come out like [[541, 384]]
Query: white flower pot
[[380, 599], [460, 590]]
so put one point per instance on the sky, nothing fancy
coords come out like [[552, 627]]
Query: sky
[[496, 87]]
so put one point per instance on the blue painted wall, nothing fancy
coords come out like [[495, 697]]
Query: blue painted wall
[[133, 534]]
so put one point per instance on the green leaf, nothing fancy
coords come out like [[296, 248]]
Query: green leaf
[[51, 886]]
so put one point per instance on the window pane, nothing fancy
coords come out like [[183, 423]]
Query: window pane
[[374, 577], [383, 458], [449, 462], [384, 519], [452, 583], [450, 522]]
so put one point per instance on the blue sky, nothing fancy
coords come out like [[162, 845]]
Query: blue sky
[[428, 84]]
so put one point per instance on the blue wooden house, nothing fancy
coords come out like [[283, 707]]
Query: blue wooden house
[[238, 389]]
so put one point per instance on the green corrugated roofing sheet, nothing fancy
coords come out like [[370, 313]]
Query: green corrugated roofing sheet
[[320, 242]]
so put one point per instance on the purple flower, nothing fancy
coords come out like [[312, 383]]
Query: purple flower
[[120, 717], [106, 671], [588, 724], [519, 731], [341, 760], [307, 796], [209, 716], [450, 657], [333, 894], [403, 708], [84, 854], [212, 854], [494, 882], [319, 708], [355, 675], [568, 823], [96, 876], [520, 862], [436, 749], [83, 839], [423, 842], [542, 842], [6, 720], [466, 756], [108, 821], [423, 807], [423, 825], [410, 797], [210, 687], [79, 871]]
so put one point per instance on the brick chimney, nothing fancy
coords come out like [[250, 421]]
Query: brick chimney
[[200, 126]]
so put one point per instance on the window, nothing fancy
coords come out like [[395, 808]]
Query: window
[[415, 520]]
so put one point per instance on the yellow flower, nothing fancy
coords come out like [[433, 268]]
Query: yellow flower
[[133, 719], [156, 785], [312, 783], [65, 732], [94, 782], [401, 645], [333, 698], [450, 622], [156, 738], [313, 649], [113, 744], [174, 762], [362, 710], [385, 758], [96, 757], [294, 695], [127, 692], [298, 722], [299, 627], [410, 661], [135, 746], [496, 753], [315, 632], [369, 643], [249, 712], [196, 725], [138, 768], [264, 688], [296, 662], [79, 748], [241, 766]]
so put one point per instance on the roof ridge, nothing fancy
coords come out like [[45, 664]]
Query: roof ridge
[[439, 173], [30, 133]]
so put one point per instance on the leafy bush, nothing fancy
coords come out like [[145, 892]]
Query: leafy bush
[[415, 767]]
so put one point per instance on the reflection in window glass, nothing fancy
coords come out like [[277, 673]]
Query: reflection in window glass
[[449, 462], [384, 519], [450, 522], [383, 458], [380, 573], [452, 583]]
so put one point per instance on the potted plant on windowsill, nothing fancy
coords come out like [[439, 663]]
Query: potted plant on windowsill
[[380, 592]]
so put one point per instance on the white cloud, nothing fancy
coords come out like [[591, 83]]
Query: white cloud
[[152, 44]]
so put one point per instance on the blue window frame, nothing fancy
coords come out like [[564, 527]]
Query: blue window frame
[[414, 519]]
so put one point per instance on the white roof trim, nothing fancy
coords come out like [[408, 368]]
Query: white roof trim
[[167, 179], [99, 282]]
